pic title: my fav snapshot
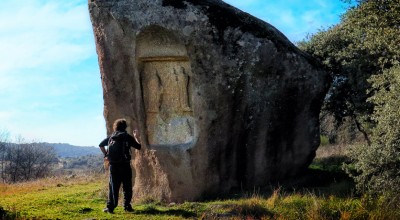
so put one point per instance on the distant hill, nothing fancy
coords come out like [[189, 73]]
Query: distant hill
[[67, 150]]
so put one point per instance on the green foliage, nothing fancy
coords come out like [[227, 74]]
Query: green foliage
[[377, 167], [331, 164], [366, 42], [363, 55], [324, 140]]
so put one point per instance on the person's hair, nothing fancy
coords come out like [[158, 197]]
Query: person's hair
[[120, 125]]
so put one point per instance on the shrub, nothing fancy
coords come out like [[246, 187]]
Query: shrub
[[377, 167]]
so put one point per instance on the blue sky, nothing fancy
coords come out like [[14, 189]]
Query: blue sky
[[50, 88]]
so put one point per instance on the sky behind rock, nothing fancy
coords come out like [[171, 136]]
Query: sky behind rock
[[50, 87]]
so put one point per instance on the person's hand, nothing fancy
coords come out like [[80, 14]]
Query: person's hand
[[106, 163], [136, 136]]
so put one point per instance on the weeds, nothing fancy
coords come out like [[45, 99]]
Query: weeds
[[325, 194], [83, 201]]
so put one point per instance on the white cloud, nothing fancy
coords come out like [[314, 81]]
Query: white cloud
[[50, 86], [286, 18], [40, 42], [43, 35], [6, 115], [8, 83]]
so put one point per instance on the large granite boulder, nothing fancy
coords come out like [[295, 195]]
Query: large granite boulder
[[222, 99]]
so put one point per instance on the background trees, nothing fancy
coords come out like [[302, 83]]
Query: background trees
[[363, 55], [29, 161], [3, 145], [377, 167], [365, 43], [25, 161]]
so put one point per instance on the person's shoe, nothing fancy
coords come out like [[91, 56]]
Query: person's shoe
[[108, 210], [128, 208]]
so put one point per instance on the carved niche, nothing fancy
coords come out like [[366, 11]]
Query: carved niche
[[166, 87]]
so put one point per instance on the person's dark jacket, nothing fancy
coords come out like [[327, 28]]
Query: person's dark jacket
[[122, 136]]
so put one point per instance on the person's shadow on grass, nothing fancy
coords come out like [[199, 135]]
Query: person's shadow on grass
[[175, 212]]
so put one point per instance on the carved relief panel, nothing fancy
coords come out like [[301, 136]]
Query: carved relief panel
[[166, 87]]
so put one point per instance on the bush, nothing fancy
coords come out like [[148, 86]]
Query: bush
[[25, 161], [377, 166]]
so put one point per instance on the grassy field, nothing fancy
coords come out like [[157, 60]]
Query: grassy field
[[325, 194]]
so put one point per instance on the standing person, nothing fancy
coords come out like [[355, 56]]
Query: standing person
[[118, 154]]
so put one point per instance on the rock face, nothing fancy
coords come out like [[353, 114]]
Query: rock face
[[222, 99]]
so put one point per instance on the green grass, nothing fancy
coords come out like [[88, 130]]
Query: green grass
[[81, 197], [57, 198], [84, 198], [324, 192]]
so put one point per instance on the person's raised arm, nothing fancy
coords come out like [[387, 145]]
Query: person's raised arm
[[136, 145], [136, 136]]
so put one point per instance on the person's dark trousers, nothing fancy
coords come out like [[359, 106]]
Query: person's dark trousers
[[119, 173]]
